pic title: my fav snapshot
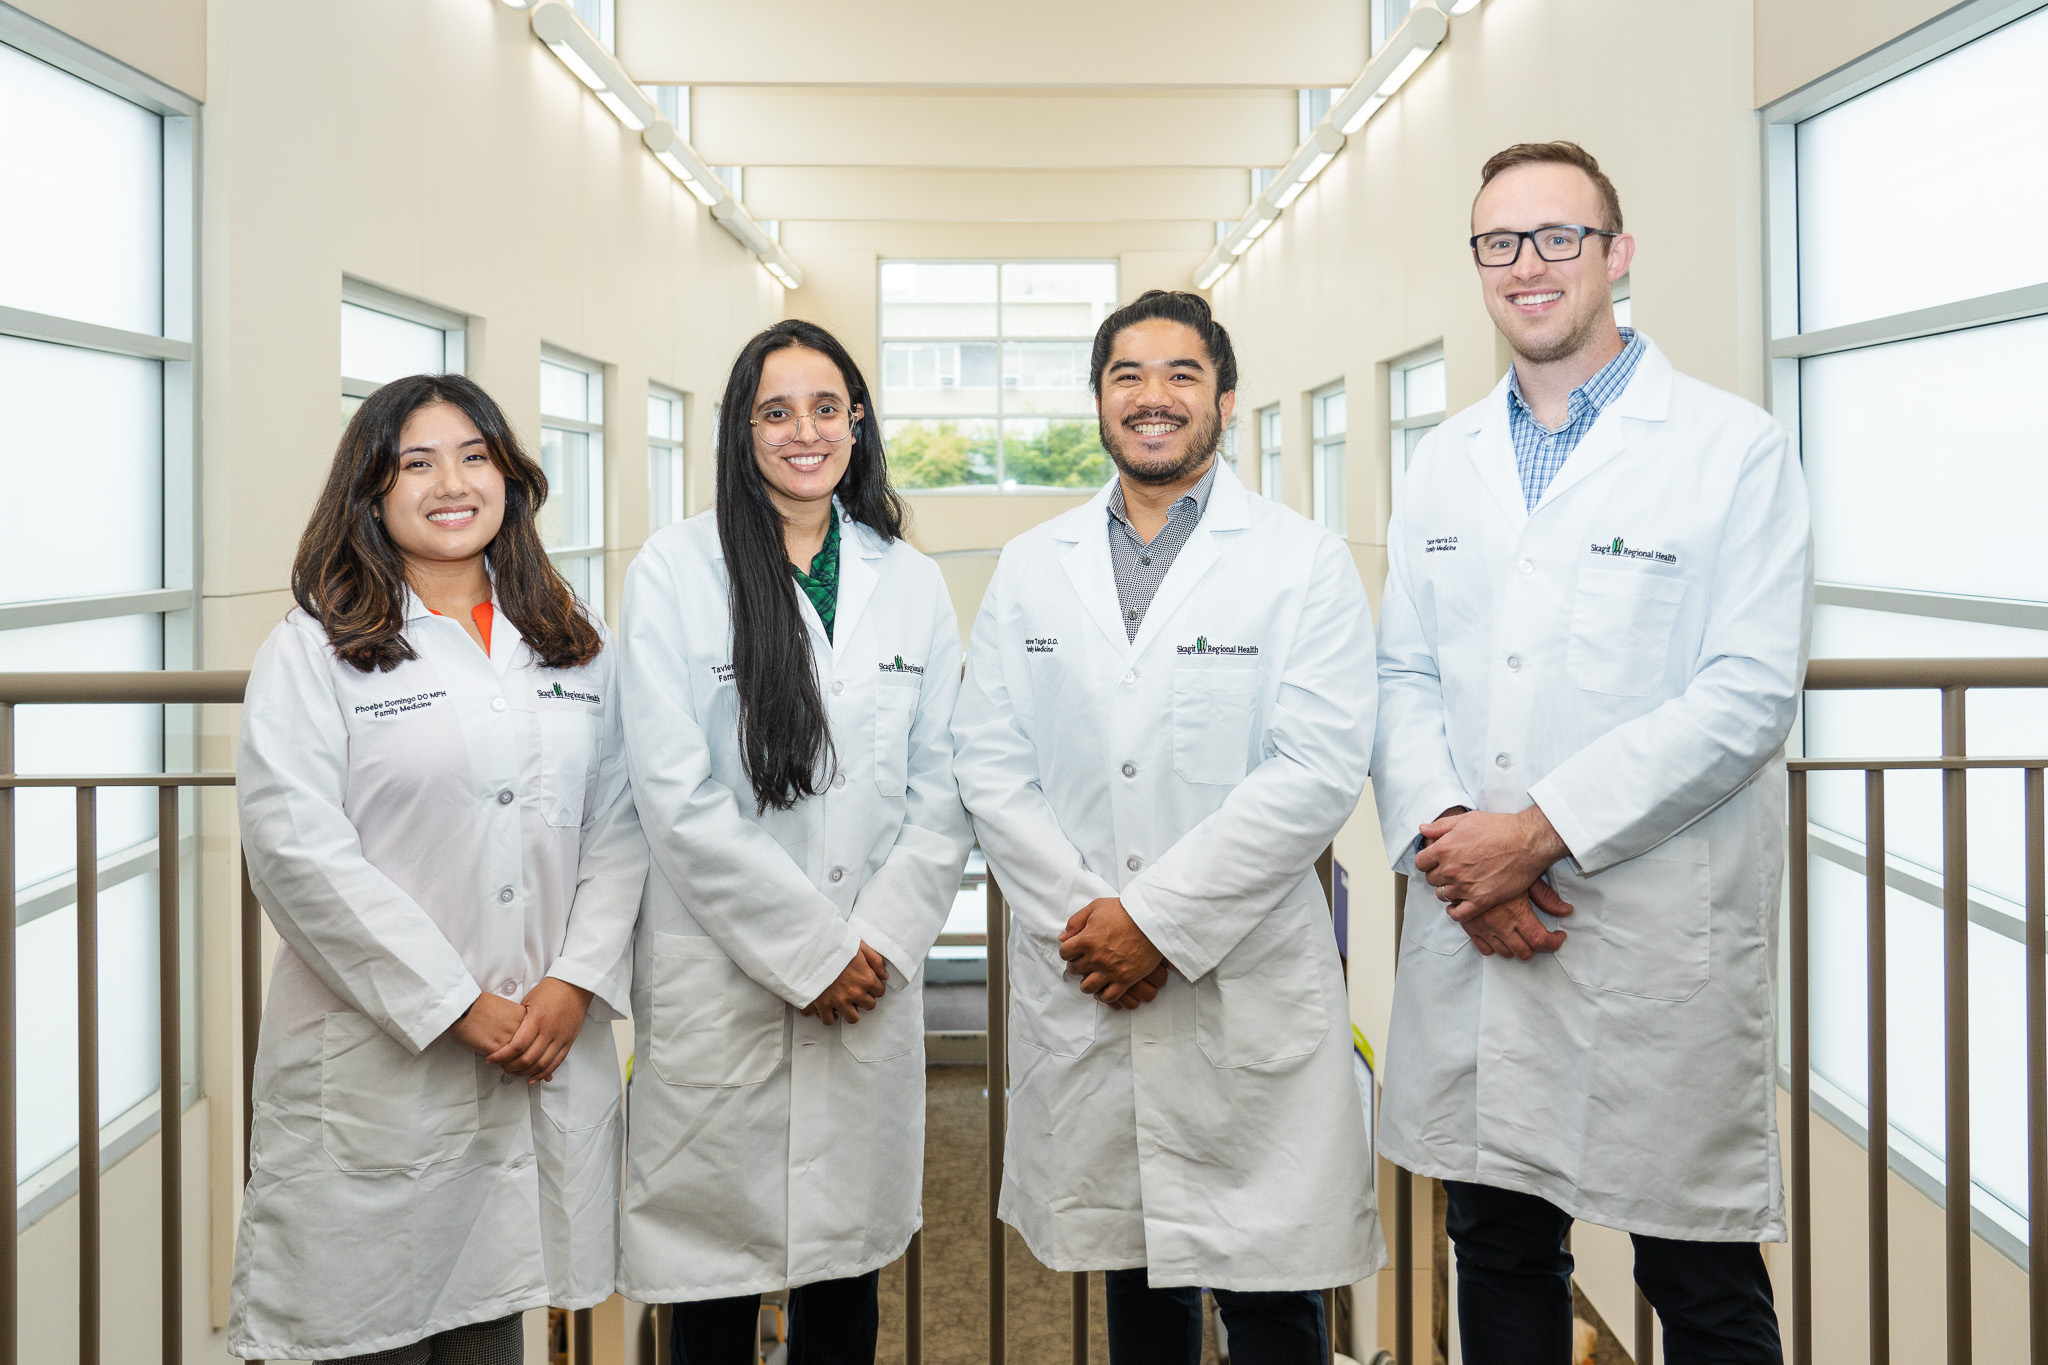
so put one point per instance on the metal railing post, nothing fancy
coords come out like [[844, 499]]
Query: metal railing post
[[1646, 1331], [1878, 1147], [998, 1100], [170, 1082], [88, 912], [1404, 1194], [1802, 1079], [9, 1246], [1955, 916], [252, 1012], [913, 1300], [2037, 1069], [1080, 1329]]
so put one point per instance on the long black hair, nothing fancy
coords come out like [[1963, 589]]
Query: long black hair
[[785, 740], [350, 577]]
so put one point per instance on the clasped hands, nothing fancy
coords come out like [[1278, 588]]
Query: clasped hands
[[529, 1037], [1116, 962], [1488, 871], [861, 984]]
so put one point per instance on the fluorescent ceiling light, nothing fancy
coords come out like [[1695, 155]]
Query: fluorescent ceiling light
[[734, 218], [1215, 268], [1316, 151], [555, 24], [1462, 6], [1394, 63], [519, 4], [683, 162]]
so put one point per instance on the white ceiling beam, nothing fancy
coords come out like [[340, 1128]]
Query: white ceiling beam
[[951, 196]]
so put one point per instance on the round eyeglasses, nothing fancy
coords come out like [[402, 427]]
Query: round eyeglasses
[[1559, 242], [779, 426]]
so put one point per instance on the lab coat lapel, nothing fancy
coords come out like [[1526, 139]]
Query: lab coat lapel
[[1492, 452], [1087, 566], [857, 580], [1225, 513], [1647, 398]]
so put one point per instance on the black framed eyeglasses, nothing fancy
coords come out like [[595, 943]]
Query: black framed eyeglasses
[[1559, 242]]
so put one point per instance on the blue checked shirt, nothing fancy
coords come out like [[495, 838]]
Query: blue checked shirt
[[1540, 453]]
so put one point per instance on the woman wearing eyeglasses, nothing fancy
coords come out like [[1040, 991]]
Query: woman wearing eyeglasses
[[790, 665]]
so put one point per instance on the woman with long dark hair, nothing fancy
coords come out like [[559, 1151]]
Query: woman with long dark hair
[[437, 816], [790, 669]]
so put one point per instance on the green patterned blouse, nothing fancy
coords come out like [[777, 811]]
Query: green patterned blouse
[[821, 584]]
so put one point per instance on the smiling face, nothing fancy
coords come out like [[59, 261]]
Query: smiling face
[[1159, 411], [1550, 310], [448, 499], [804, 385]]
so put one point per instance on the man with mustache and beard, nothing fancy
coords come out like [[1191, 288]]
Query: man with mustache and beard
[[1168, 712]]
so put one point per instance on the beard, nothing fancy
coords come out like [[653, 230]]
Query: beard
[[1204, 434], [1585, 330]]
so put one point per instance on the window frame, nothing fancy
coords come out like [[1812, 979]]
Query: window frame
[[1786, 346], [453, 326], [1397, 427], [675, 448], [593, 372], [1000, 341], [1328, 503], [1273, 452]]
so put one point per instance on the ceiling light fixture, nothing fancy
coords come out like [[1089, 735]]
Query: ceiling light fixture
[[1317, 150], [1215, 268], [683, 162], [1462, 6], [555, 24], [1392, 65]]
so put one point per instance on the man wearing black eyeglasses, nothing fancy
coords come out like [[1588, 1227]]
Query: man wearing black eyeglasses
[[1595, 626]]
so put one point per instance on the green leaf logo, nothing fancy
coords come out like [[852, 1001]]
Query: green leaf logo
[[1617, 546], [1201, 644]]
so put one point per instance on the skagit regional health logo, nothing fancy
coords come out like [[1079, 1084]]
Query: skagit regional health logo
[[1202, 646], [1617, 549], [558, 693], [898, 666]]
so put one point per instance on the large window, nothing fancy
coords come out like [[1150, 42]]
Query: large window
[[985, 372], [1914, 390], [97, 552], [1415, 404], [1270, 452], [572, 456], [385, 336], [666, 488], [1327, 456]]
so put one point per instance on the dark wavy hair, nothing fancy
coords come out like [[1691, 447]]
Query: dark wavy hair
[[785, 740], [350, 577], [1173, 305]]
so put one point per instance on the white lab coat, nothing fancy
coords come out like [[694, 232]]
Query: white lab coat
[[1628, 656], [766, 1149], [1213, 1135], [458, 824]]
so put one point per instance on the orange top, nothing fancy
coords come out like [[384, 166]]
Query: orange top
[[482, 614]]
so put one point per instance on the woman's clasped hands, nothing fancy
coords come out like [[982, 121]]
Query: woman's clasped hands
[[529, 1037]]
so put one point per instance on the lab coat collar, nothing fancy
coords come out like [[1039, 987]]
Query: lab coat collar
[[1087, 563], [859, 547], [505, 637]]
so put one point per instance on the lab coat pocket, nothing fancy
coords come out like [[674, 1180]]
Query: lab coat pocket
[[1621, 630], [1048, 1009], [1428, 925], [1264, 1001], [1641, 927], [712, 1024], [565, 753], [894, 708], [893, 1027], [384, 1109], [1215, 705]]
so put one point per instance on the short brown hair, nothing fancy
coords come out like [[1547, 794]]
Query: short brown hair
[[1558, 154]]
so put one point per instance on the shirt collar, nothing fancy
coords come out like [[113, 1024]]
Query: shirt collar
[[1198, 495], [1596, 393]]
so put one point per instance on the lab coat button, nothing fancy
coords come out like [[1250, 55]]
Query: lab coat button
[[1130, 770], [505, 896], [1525, 567], [837, 874], [1514, 663], [1134, 862], [1503, 761], [839, 779], [1130, 680], [497, 703], [1131, 615], [505, 798], [507, 987], [838, 689]]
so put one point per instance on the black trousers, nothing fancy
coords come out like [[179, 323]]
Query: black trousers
[[1150, 1326], [832, 1322], [1515, 1286]]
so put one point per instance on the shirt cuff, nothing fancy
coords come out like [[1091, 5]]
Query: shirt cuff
[[438, 1017], [585, 977]]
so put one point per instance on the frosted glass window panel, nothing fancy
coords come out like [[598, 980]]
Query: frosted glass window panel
[[1057, 298], [585, 574], [568, 393], [1047, 376], [936, 299], [74, 420], [664, 418], [664, 486], [1416, 391], [380, 348], [81, 173], [1952, 147], [83, 739], [940, 378], [568, 519], [1329, 414], [46, 1011], [1927, 462], [1329, 459]]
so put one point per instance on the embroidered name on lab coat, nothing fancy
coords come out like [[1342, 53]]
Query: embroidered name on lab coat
[[898, 666], [722, 672], [384, 710], [1040, 644], [560, 693], [1202, 646], [1619, 550], [1438, 544]]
